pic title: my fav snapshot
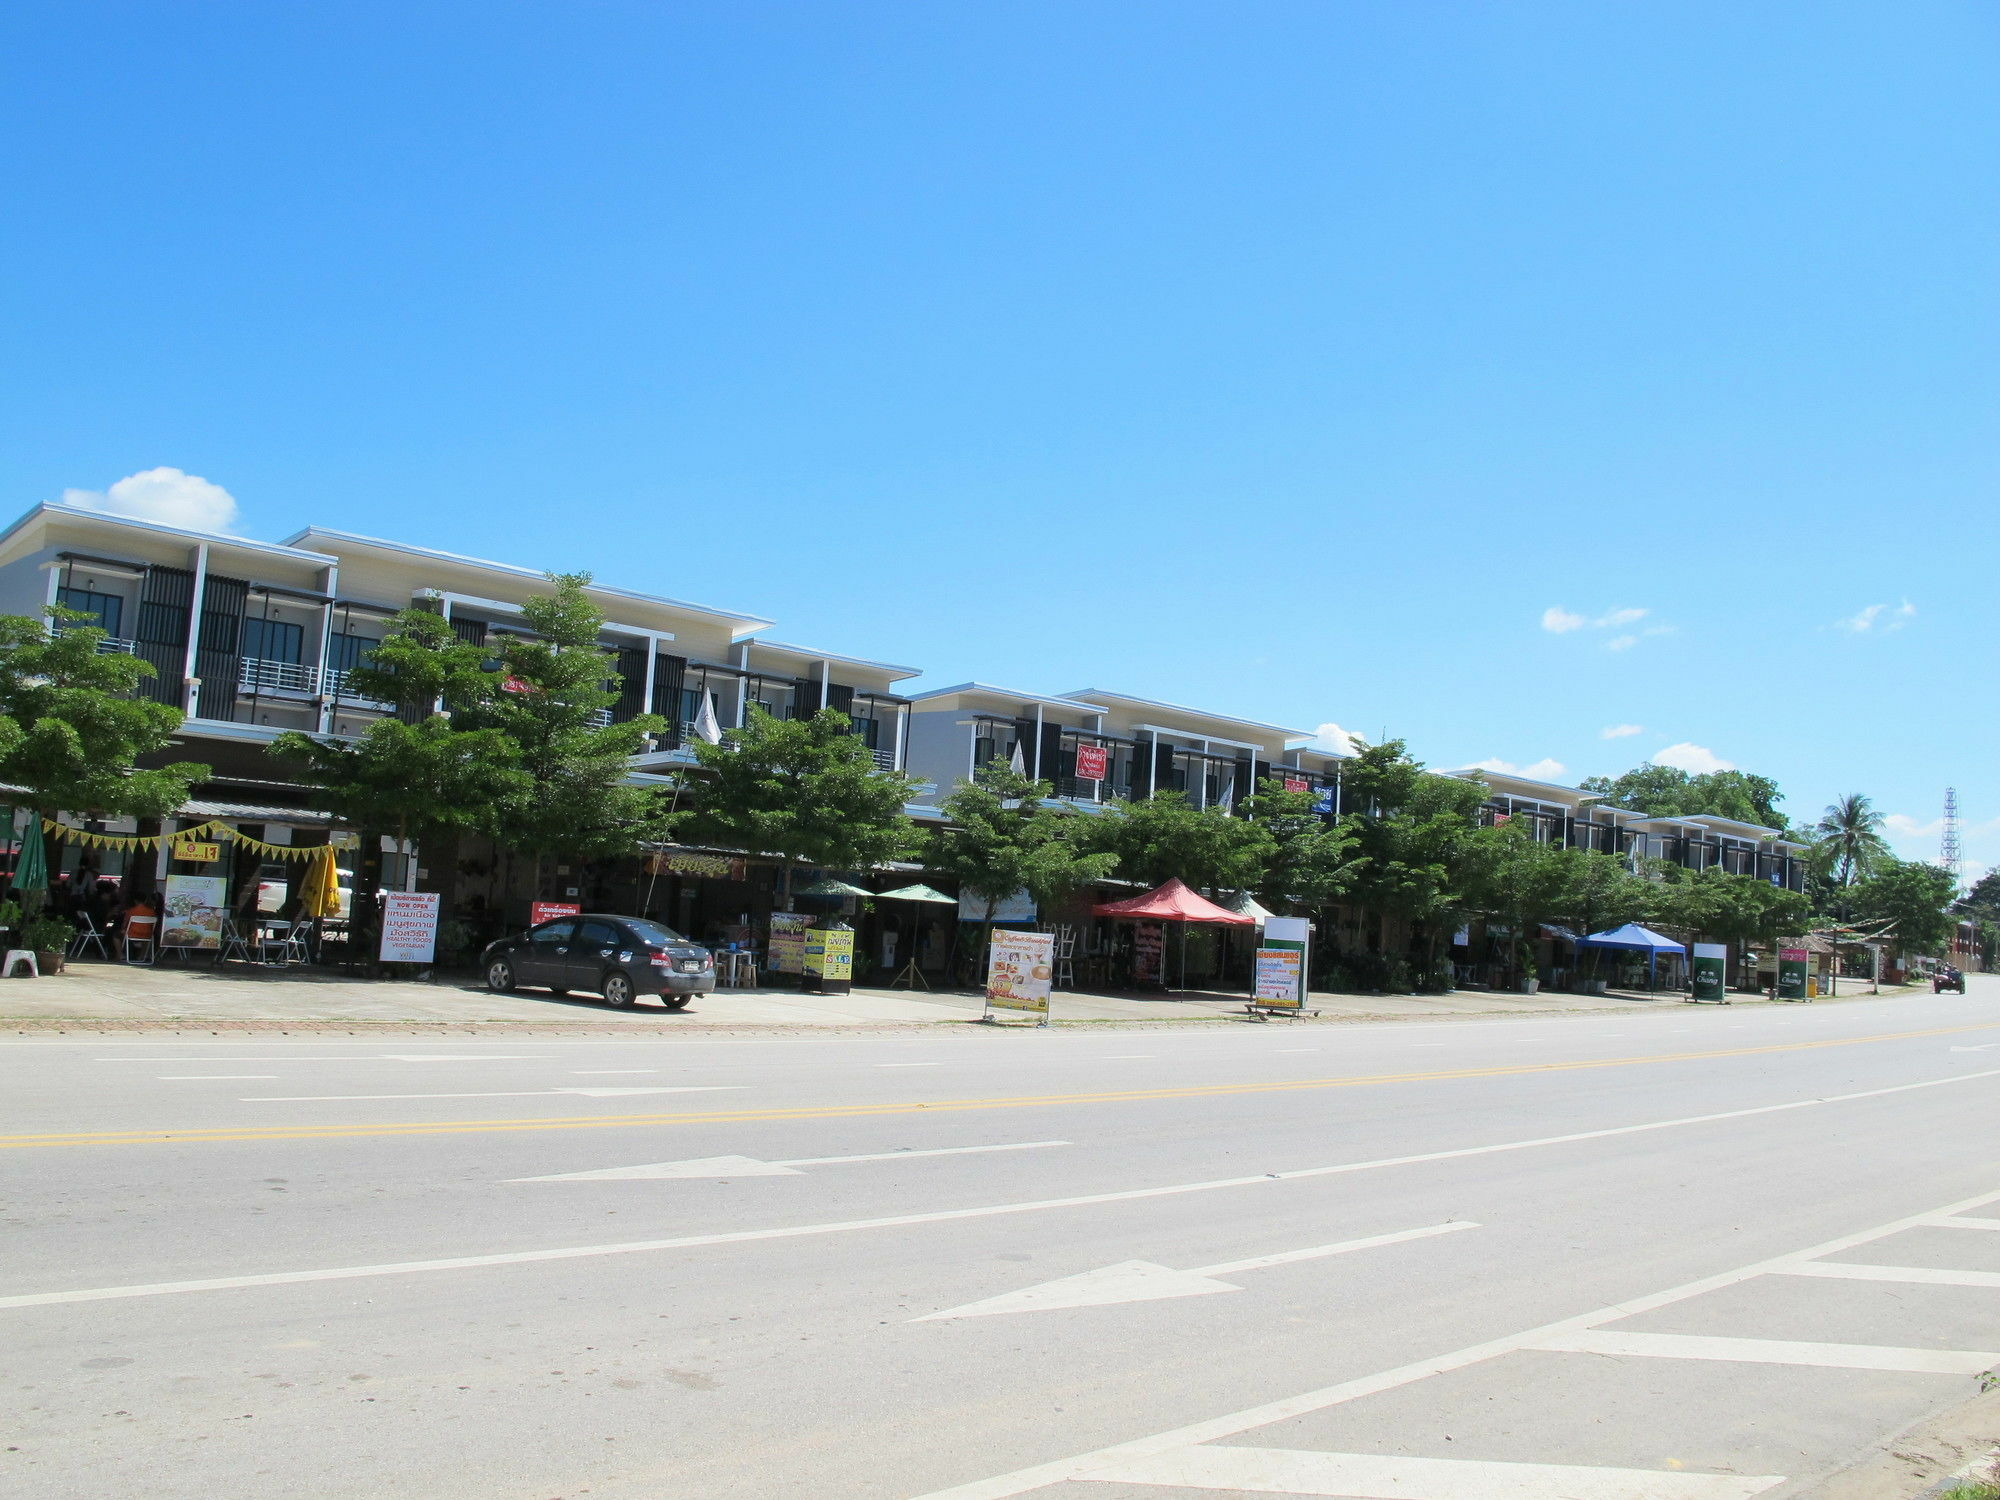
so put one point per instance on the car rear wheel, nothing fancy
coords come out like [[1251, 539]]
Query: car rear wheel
[[675, 1002], [500, 976], [617, 990]]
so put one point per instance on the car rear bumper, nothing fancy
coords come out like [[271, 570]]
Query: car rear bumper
[[687, 984]]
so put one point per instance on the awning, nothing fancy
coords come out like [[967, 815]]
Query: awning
[[1633, 936], [1176, 902]]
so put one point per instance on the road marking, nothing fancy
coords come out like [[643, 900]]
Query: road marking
[[1771, 1352], [943, 1106], [750, 1166], [1143, 1281], [1088, 1465], [1983, 1047], [1129, 1056], [705, 1088], [366, 1057], [606, 1072], [211, 1077], [1950, 1222], [1298, 1049], [1293, 1471], [910, 1065], [1837, 1270]]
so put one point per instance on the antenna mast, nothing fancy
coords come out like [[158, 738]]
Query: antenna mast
[[1948, 847]]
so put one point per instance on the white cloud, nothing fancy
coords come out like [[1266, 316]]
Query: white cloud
[[1618, 617], [1879, 617], [1620, 731], [1902, 825], [1558, 621], [1545, 769], [1332, 738], [165, 495], [1621, 643], [1697, 759]]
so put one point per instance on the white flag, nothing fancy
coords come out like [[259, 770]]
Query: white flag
[[1019, 764], [705, 726]]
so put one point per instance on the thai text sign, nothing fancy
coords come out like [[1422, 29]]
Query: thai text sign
[[788, 942], [199, 854], [1092, 762], [409, 927], [1297, 784], [830, 953], [1020, 971], [1280, 973], [547, 911], [1792, 973]]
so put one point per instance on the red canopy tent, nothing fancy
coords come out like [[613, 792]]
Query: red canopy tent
[[1176, 901]]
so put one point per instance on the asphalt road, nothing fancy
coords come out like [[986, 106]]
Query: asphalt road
[[1574, 1258]]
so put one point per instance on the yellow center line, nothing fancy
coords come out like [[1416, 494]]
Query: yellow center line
[[937, 1106]]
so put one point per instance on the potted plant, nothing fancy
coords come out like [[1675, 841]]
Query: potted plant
[[1531, 981], [49, 939]]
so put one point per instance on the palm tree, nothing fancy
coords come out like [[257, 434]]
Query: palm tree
[[1847, 840]]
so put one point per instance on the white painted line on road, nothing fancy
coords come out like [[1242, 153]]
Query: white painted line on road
[[367, 1057], [1086, 1466], [1127, 1195], [750, 1166], [1984, 1047], [1130, 1056], [1837, 1270], [707, 1088], [1771, 1352], [1295, 1471], [910, 1065], [1143, 1281], [1298, 1049], [606, 1072], [1952, 1222], [212, 1077]]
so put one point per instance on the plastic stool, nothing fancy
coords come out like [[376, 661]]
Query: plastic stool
[[20, 956]]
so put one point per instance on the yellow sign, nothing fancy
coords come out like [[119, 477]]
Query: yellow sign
[[200, 854], [830, 953]]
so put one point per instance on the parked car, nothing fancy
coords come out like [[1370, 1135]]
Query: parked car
[[1947, 978], [619, 958]]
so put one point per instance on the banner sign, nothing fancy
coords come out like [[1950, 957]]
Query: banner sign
[[191, 914], [547, 911], [1093, 762], [787, 954], [830, 953], [1792, 964], [1149, 955], [409, 927], [1297, 784], [1711, 971], [1323, 801], [1020, 971], [198, 854]]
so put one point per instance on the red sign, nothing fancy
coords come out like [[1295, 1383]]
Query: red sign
[[1093, 762], [547, 911], [1296, 784], [513, 684]]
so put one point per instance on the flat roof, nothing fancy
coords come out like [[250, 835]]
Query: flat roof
[[434, 554], [1002, 692], [1182, 708], [154, 528], [814, 654]]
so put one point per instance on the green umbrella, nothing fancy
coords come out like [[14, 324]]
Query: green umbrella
[[832, 887], [916, 893], [31, 866]]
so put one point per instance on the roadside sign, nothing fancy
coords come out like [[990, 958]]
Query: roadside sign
[[1711, 971], [409, 927], [1020, 972], [787, 953], [1279, 972], [547, 911]]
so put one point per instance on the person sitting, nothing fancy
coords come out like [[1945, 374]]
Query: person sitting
[[142, 924]]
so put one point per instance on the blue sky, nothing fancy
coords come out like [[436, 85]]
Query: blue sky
[[1495, 375]]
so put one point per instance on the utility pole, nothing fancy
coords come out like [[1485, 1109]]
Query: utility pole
[[1948, 846]]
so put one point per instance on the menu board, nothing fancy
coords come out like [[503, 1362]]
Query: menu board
[[1149, 954], [1020, 971], [788, 942]]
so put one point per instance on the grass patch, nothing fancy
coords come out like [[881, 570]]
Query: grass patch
[[1972, 1489]]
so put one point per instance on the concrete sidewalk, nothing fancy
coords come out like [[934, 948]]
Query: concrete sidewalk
[[247, 997]]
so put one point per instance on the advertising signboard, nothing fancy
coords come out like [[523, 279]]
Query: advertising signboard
[[409, 927], [197, 854], [1711, 971], [1093, 762], [1280, 969], [1792, 973], [1323, 801], [1020, 971], [547, 911], [1149, 954], [829, 959], [1297, 784], [191, 913], [788, 942]]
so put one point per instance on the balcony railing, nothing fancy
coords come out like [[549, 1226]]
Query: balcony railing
[[258, 674], [113, 645], [885, 760]]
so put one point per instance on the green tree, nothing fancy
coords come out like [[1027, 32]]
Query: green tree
[[1669, 792], [71, 731], [1512, 876], [1915, 898], [576, 799], [1735, 909], [804, 790], [1162, 837], [1312, 861], [1847, 841], [1598, 893]]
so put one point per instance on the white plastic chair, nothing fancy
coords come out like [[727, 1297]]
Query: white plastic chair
[[88, 934]]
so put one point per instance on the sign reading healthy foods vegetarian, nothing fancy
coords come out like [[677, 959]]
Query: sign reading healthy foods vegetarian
[[1092, 762], [1020, 971], [409, 927]]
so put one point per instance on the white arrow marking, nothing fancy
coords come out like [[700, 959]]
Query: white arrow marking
[[1985, 1047], [749, 1166], [1142, 1281], [527, 1094]]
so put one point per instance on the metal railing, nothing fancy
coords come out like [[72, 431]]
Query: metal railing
[[885, 760], [260, 674], [114, 645]]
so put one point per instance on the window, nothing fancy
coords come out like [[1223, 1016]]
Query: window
[[598, 935], [274, 640], [870, 731], [691, 706], [552, 935], [654, 934], [346, 652], [106, 611]]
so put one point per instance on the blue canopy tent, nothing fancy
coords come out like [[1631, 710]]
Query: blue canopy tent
[[1634, 938]]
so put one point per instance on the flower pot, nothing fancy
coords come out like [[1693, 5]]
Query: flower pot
[[1530, 986], [49, 963]]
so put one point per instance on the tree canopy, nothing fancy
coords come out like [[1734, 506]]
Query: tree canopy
[[1005, 836], [1915, 898], [1669, 792], [1161, 837]]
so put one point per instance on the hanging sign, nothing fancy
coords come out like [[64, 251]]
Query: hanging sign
[[1792, 973], [788, 942], [547, 911], [197, 854], [1297, 784], [1020, 972], [409, 927], [1711, 971], [1323, 801], [1019, 907], [1093, 762]]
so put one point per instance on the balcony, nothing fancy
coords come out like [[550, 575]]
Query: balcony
[[885, 760], [257, 674], [113, 645]]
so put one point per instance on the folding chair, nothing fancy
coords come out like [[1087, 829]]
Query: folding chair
[[234, 944], [86, 935], [274, 943]]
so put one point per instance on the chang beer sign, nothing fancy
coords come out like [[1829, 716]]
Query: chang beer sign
[[1792, 973], [1711, 971]]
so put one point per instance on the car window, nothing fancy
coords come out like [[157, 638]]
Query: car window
[[598, 935], [654, 933], [552, 934]]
